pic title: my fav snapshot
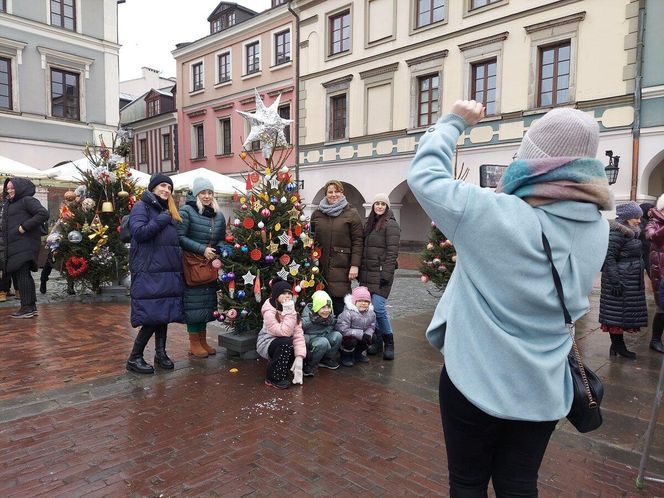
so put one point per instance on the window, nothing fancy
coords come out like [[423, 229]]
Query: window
[[63, 14], [5, 83], [65, 95], [338, 117], [166, 147], [427, 99], [253, 59], [197, 76], [483, 84], [224, 63], [476, 4], [429, 12], [199, 142], [225, 136], [284, 112], [222, 22], [3, 5], [340, 33], [554, 72], [153, 107], [282, 47], [276, 3], [143, 151], [215, 26]]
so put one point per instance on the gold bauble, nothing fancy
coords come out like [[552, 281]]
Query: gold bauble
[[314, 269], [123, 193], [277, 227]]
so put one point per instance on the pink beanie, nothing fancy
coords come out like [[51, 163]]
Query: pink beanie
[[361, 294]]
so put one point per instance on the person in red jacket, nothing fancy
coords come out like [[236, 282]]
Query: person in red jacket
[[655, 234]]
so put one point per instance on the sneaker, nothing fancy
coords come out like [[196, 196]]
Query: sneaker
[[308, 371], [361, 358], [24, 313], [282, 384], [330, 363]]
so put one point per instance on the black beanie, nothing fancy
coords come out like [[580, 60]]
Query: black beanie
[[279, 286], [158, 178]]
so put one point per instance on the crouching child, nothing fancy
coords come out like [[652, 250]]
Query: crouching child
[[322, 340], [357, 323]]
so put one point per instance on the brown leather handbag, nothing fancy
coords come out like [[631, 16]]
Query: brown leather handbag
[[197, 269]]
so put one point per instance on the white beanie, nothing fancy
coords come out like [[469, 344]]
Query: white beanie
[[201, 184], [561, 132], [381, 198]]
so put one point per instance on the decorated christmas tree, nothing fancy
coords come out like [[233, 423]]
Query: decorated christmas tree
[[88, 249], [269, 235], [437, 260]]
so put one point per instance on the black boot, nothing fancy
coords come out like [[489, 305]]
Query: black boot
[[358, 356], [389, 347], [618, 347], [136, 363], [42, 285], [377, 344], [161, 359], [347, 357], [657, 328]]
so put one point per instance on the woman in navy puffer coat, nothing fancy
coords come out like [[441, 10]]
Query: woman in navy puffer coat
[[202, 228], [155, 262]]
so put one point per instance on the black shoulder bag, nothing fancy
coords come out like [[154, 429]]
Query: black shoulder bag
[[585, 414]]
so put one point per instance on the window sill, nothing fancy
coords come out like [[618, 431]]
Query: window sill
[[281, 65], [196, 92], [484, 8], [542, 110], [338, 55], [198, 159], [5, 110], [337, 141], [426, 27], [251, 75], [224, 156], [223, 83], [419, 129]]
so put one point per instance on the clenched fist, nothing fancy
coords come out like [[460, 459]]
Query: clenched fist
[[472, 112]]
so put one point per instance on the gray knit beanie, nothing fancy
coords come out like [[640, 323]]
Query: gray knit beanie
[[561, 132], [201, 184], [628, 211]]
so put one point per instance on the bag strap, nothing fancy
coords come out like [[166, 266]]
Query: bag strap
[[568, 320]]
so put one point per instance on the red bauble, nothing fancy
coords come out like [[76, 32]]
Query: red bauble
[[248, 223], [229, 238], [284, 259], [255, 254]]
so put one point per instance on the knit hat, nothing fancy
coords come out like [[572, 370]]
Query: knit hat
[[561, 132], [320, 299], [628, 211], [361, 293], [279, 286], [158, 178], [381, 198], [201, 184]]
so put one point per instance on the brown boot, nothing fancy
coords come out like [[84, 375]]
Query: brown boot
[[203, 340], [195, 347], [3, 297]]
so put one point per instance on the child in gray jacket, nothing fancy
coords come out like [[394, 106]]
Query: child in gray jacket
[[357, 324], [322, 340]]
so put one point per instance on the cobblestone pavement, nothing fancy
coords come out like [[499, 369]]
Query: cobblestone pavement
[[74, 423]]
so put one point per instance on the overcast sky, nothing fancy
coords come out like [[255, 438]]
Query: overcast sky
[[149, 30]]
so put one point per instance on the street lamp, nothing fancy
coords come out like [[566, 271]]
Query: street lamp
[[612, 168]]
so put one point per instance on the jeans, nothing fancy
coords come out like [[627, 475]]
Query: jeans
[[482, 447], [382, 320], [319, 346]]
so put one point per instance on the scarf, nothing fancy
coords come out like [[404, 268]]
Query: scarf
[[333, 210], [208, 211], [547, 180]]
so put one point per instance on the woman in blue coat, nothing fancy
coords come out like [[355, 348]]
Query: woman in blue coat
[[156, 272], [201, 230]]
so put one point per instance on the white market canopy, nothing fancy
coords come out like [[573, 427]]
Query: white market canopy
[[222, 184], [9, 167], [69, 172]]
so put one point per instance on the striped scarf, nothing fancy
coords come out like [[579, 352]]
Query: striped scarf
[[547, 180]]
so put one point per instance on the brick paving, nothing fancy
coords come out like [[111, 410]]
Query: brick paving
[[73, 422]]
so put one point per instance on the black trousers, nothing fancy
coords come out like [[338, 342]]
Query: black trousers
[[26, 285], [281, 355], [338, 305], [482, 447]]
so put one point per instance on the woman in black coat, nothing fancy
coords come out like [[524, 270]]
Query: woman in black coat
[[155, 263], [622, 305], [20, 240]]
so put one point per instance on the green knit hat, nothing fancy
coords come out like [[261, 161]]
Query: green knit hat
[[319, 299]]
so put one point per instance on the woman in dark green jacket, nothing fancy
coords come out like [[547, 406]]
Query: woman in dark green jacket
[[202, 228]]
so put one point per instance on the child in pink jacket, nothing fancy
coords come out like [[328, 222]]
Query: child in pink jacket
[[281, 339]]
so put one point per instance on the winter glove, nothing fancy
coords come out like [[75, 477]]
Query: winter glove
[[164, 217], [617, 290], [297, 370], [288, 307], [367, 339], [384, 282]]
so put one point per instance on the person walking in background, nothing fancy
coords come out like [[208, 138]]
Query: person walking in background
[[622, 303], [203, 227], [379, 262], [654, 234], [322, 340], [155, 263], [506, 380], [20, 239], [357, 324], [645, 243], [338, 231]]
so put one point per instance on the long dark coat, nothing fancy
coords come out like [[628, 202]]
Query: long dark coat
[[379, 258], [155, 262], [623, 267], [196, 233], [341, 240], [24, 210], [655, 234]]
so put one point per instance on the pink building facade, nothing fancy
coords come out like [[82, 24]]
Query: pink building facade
[[217, 76]]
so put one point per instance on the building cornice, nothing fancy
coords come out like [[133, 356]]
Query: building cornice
[[144, 124], [653, 92], [390, 68], [540, 26], [344, 79], [484, 41], [427, 58], [244, 94]]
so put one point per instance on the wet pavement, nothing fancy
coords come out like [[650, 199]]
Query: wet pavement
[[73, 422]]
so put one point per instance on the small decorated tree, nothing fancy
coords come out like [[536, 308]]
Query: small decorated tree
[[88, 247], [437, 260], [269, 234]]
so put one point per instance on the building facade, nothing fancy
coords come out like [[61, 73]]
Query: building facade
[[217, 76], [58, 78], [375, 74]]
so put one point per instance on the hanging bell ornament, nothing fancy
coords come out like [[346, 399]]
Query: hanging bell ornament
[[107, 207]]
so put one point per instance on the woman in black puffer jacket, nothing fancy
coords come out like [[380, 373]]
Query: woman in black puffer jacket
[[622, 305]]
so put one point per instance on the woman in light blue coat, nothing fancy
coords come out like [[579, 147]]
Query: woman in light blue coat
[[499, 324]]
